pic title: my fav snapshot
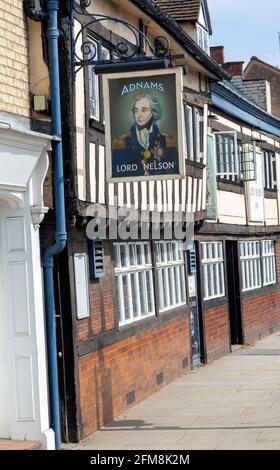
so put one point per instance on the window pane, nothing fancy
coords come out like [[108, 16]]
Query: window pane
[[134, 288], [183, 284], [149, 284], [123, 257], [125, 297], [142, 293], [116, 257], [132, 257], [189, 131], [147, 254], [93, 84], [139, 254], [118, 297]]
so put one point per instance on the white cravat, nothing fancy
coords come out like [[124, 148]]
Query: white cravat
[[143, 136]]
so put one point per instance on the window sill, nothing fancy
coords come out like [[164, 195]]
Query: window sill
[[136, 321], [96, 125], [96, 342], [194, 163], [214, 302], [260, 291]]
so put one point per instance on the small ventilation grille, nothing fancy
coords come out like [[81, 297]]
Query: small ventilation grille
[[130, 397], [96, 259], [159, 378], [185, 362], [191, 261]]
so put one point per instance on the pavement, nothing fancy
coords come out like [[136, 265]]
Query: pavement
[[233, 403]]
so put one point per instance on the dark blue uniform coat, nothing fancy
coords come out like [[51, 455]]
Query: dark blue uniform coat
[[130, 158]]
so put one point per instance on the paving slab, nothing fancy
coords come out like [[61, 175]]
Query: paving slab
[[233, 403]]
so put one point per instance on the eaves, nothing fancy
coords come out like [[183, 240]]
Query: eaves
[[237, 106], [179, 34]]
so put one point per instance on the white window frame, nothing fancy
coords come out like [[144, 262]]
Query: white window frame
[[93, 86], [213, 269], [198, 122], [270, 176], [193, 136], [248, 169], [170, 271], [189, 132], [94, 81], [135, 274], [250, 261], [268, 262], [81, 278], [202, 38], [234, 165]]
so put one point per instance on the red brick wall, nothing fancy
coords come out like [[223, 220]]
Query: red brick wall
[[101, 292], [261, 316], [218, 54], [106, 376], [216, 331]]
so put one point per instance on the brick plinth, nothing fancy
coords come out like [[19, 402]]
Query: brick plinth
[[108, 375], [261, 315]]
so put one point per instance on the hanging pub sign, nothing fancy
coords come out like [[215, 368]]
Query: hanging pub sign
[[143, 122]]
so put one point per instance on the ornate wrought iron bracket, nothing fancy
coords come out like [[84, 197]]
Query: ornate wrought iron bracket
[[124, 52]]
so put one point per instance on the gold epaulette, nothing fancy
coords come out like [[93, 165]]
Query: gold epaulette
[[169, 141], [118, 143]]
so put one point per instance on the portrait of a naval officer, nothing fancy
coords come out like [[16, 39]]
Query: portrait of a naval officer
[[144, 150]]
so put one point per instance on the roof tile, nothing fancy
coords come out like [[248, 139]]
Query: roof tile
[[181, 10]]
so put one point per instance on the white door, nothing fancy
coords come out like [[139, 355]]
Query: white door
[[18, 363], [5, 370]]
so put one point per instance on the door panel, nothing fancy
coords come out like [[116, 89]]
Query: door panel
[[5, 370]]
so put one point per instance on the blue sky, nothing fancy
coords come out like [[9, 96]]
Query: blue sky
[[246, 28]]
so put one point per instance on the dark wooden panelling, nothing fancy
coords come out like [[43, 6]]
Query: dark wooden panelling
[[270, 194], [194, 169], [237, 188], [233, 229], [196, 98]]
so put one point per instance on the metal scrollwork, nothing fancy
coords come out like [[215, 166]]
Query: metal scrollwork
[[84, 4], [124, 50]]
